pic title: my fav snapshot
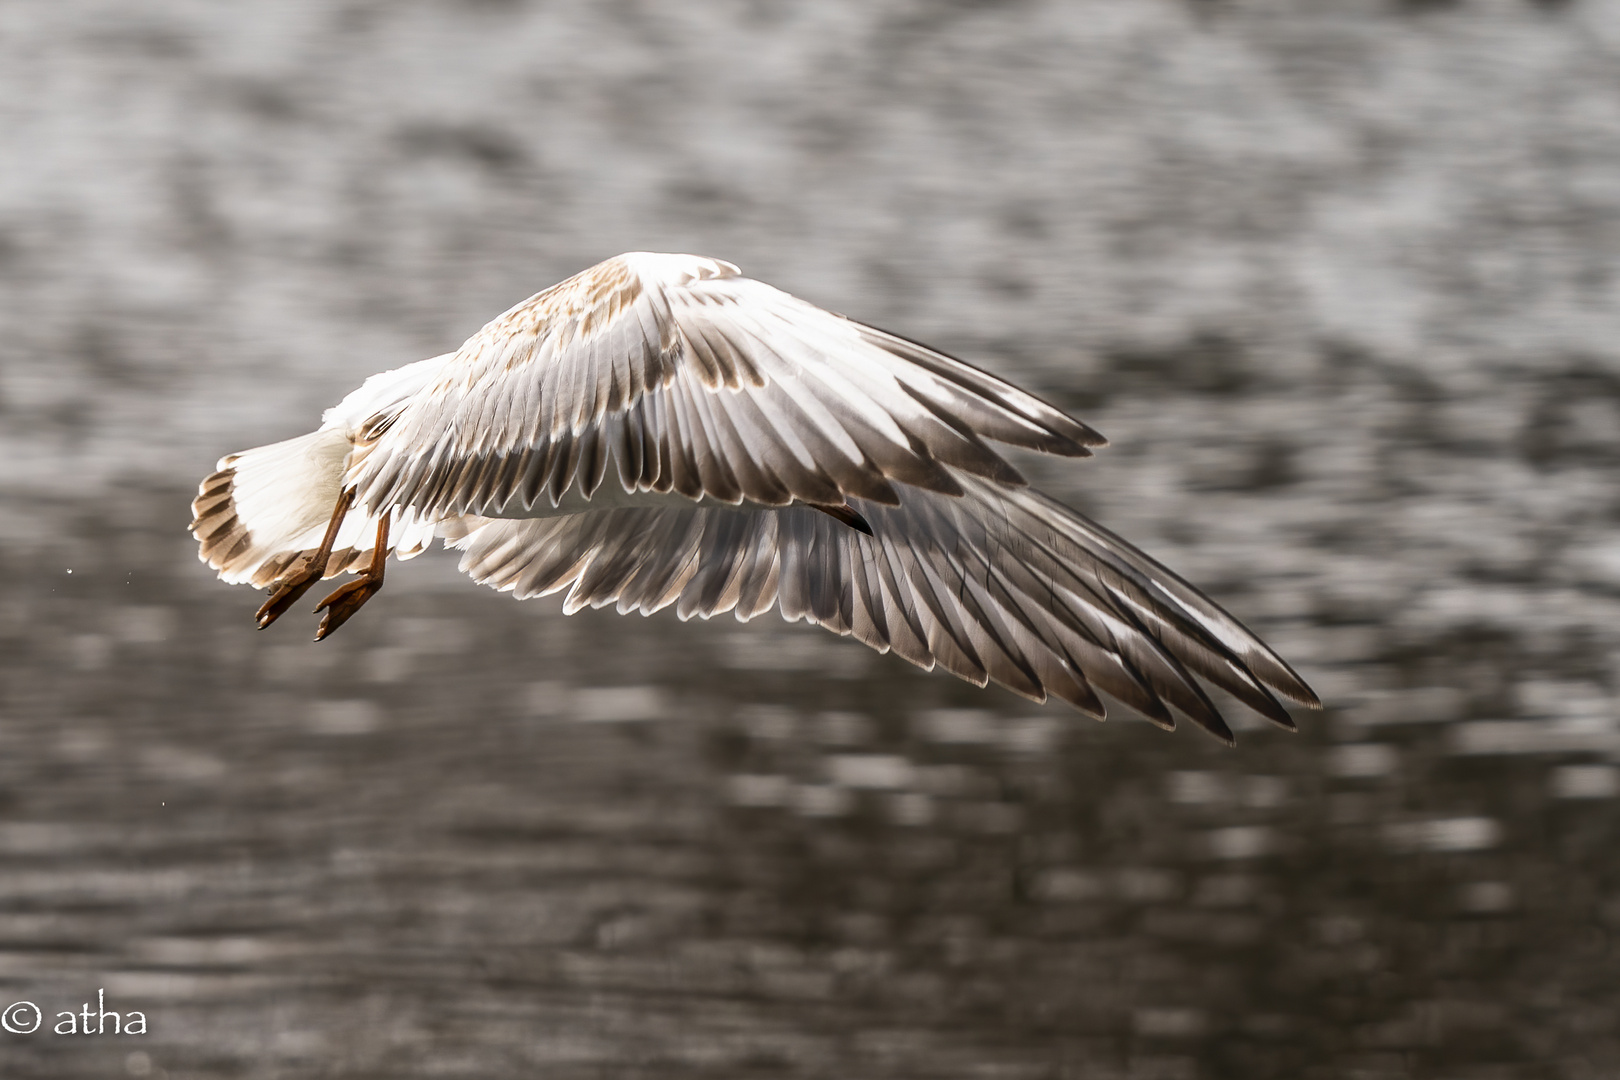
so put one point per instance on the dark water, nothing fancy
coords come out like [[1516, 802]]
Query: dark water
[[474, 837], [1342, 286]]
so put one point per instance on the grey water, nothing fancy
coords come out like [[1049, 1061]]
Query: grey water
[[1343, 288]]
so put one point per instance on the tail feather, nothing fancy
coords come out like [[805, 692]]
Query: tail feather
[[264, 509]]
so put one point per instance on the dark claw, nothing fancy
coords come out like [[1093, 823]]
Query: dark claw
[[287, 592], [345, 600]]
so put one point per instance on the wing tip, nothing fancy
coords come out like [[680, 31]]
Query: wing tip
[[1307, 700], [1291, 686], [1290, 725], [1083, 438], [1209, 719]]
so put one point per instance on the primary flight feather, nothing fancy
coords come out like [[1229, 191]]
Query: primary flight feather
[[661, 430]]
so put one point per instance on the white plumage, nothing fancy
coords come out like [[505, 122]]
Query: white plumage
[[661, 430]]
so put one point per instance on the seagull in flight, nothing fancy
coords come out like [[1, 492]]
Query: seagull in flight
[[661, 430]]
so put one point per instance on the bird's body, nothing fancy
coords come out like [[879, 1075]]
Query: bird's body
[[660, 430]]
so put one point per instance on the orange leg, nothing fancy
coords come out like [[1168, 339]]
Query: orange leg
[[310, 569], [348, 597]]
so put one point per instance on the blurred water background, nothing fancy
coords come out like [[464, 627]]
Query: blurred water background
[[1340, 282]]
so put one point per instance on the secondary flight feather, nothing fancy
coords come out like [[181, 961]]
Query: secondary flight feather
[[661, 430]]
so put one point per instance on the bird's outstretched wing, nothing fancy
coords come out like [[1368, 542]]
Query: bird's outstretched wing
[[997, 584], [686, 377]]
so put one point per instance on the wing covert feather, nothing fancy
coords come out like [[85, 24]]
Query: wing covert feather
[[693, 379]]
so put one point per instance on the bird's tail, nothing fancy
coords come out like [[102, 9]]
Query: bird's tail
[[263, 509]]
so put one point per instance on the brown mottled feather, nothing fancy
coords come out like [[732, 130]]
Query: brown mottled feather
[[682, 367]]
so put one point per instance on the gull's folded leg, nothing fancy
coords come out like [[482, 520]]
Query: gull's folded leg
[[351, 595], [309, 570]]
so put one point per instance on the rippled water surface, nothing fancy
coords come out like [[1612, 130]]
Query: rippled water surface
[[1342, 288], [475, 837]]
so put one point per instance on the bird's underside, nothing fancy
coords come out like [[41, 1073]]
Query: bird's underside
[[661, 431]]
